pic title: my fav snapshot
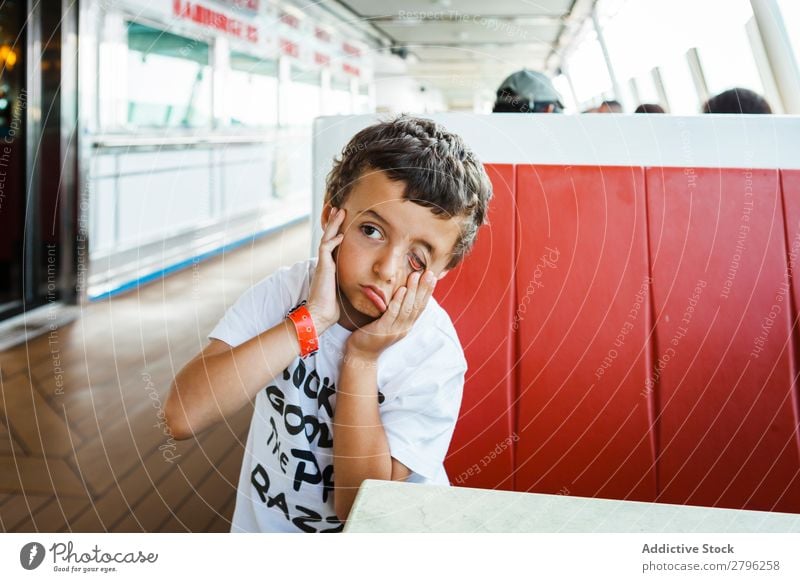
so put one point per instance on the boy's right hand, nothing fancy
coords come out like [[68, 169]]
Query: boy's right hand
[[322, 301]]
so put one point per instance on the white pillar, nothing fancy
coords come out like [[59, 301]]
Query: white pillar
[[764, 68], [698, 76], [779, 52], [618, 95]]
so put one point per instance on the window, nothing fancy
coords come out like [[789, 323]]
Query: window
[[587, 67], [301, 97], [363, 103], [168, 80], [728, 61], [339, 100], [647, 90], [679, 86], [251, 91], [790, 12], [667, 30]]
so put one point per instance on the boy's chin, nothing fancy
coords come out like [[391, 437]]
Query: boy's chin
[[361, 313], [369, 313]]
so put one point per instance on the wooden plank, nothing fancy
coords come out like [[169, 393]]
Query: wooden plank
[[74, 388], [120, 446], [222, 523], [39, 476], [16, 360], [8, 445], [41, 429], [102, 357], [179, 484], [111, 506], [54, 515], [209, 497], [18, 508]]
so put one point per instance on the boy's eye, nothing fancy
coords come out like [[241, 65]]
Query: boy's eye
[[416, 263], [370, 230]]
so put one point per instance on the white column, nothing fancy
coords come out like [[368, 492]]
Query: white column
[[220, 65], [779, 52], [698, 76], [764, 68], [618, 94]]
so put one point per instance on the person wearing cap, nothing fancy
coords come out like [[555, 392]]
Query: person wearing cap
[[527, 92]]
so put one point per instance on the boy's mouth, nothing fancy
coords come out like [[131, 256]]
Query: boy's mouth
[[376, 296]]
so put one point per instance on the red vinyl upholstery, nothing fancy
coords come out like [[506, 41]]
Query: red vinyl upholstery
[[630, 331], [581, 345], [726, 426], [479, 296]]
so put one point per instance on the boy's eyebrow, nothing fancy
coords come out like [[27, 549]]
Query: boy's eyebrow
[[422, 241]]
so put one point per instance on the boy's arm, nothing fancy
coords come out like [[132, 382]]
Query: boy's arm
[[360, 447], [222, 379]]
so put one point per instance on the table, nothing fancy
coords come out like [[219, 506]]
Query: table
[[391, 506]]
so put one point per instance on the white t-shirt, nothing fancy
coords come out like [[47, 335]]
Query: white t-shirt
[[286, 482]]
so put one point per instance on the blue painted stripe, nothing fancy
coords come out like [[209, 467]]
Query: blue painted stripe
[[124, 287]]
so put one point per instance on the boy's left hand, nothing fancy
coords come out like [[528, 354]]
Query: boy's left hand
[[403, 310]]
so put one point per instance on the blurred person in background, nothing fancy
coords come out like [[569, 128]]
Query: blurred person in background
[[649, 108], [737, 100], [609, 106], [527, 92]]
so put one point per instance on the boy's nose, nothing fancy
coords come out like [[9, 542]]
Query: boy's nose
[[388, 265]]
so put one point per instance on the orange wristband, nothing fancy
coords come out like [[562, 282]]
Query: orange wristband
[[306, 332]]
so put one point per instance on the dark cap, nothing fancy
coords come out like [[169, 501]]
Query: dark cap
[[529, 86]]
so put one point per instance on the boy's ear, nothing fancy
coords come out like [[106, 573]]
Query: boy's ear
[[325, 215]]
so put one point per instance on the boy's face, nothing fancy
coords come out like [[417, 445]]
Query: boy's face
[[386, 238]]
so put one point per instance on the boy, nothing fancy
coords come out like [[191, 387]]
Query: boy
[[364, 354]]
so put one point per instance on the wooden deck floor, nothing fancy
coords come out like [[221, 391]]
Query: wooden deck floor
[[82, 447]]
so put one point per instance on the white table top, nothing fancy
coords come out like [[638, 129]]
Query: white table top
[[391, 506]]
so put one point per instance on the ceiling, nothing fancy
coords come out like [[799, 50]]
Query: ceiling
[[466, 47]]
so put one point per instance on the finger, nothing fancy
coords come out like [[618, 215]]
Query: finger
[[326, 249], [331, 238], [393, 309], [426, 286], [407, 309], [335, 220]]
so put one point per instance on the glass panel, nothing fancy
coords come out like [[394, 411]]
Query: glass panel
[[678, 84], [648, 92], [14, 204], [587, 68], [338, 101], [790, 11], [309, 77], [728, 62], [301, 97], [251, 91], [561, 83], [179, 68], [339, 84], [667, 30], [362, 102]]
